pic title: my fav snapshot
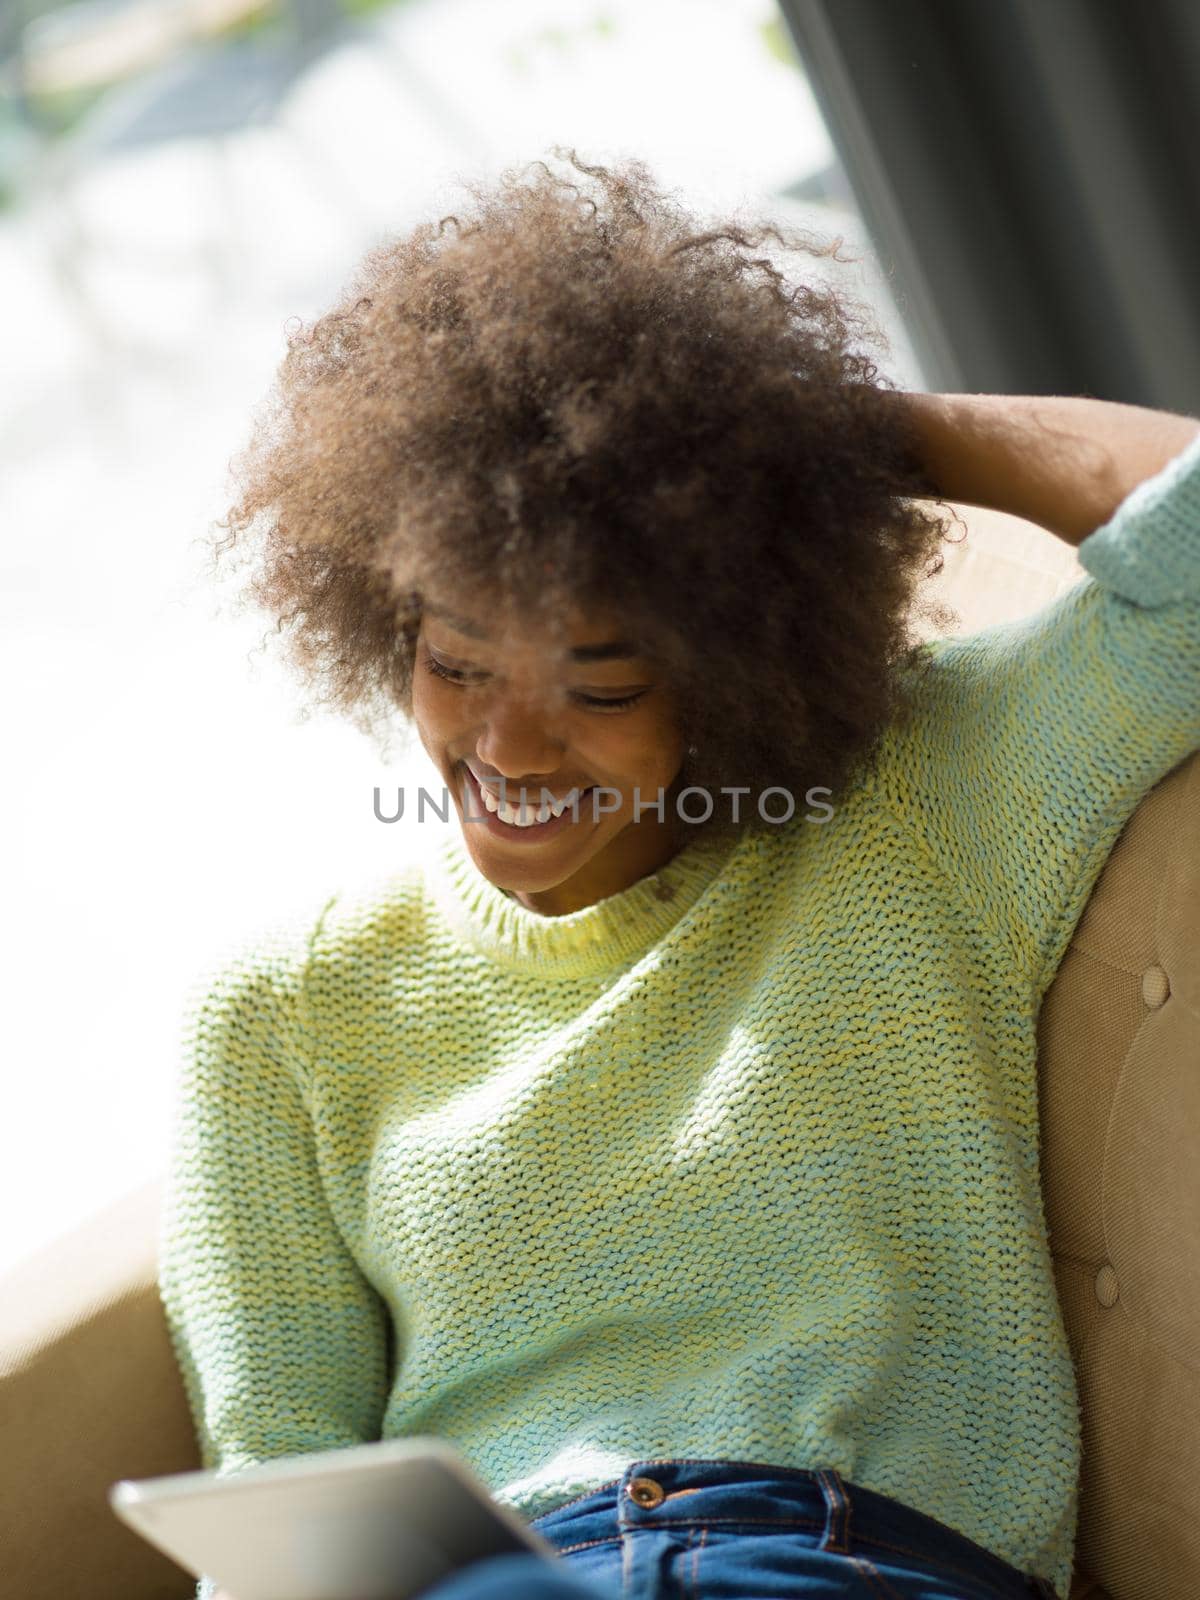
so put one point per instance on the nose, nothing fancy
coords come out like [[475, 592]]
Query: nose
[[519, 743]]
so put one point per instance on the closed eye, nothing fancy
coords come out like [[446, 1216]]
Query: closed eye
[[597, 702]]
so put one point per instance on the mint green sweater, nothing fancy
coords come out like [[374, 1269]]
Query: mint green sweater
[[741, 1162]]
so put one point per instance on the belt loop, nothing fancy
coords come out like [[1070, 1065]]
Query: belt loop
[[837, 1511]]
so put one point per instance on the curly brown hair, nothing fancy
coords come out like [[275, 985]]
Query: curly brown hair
[[602, 401]]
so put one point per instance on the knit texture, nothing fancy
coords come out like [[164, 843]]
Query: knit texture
[[739, 1163]]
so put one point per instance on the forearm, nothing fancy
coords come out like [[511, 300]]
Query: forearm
[[1063, 462]]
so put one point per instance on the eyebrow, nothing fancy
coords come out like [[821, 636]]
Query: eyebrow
[[610, 650]]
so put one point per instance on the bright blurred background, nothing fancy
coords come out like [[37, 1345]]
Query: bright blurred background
[[178, 178]]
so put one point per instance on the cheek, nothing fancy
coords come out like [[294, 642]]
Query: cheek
[[649, 752]]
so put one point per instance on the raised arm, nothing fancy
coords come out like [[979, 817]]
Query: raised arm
[[1041, 734], [1065, 463]]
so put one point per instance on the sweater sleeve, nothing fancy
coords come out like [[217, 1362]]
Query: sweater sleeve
[[1050, 729], [280, 1339]]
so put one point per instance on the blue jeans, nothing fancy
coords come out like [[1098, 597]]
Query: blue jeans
[[734, 1530]]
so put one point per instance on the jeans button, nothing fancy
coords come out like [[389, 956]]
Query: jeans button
[[647, 1492]]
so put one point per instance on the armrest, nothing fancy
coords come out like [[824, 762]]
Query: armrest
[[89, 1392]]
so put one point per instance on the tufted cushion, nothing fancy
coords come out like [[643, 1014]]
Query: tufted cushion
[[1119, 1080]]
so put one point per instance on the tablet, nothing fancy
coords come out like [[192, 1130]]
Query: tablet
[[379, 1521]]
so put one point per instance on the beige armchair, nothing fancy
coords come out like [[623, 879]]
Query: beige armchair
[[90, 1392]]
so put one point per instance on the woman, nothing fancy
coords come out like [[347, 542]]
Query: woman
[[674, 1157]]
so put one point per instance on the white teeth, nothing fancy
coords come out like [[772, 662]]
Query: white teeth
[[517, 817]]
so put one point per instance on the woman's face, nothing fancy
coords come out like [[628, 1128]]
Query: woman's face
[[493, 702]]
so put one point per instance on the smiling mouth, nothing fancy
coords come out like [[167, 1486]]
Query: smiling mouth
[[520, 818]]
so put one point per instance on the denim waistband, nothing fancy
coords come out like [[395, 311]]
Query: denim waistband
[[841, 1514]]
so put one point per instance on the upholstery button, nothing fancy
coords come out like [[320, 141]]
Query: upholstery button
[[647, 1492], [1107, 1289], [1155, 987]]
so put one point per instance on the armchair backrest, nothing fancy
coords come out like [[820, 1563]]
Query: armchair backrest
[[1119, 1085]]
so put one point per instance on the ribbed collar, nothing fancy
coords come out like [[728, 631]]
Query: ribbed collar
[[612, 932]]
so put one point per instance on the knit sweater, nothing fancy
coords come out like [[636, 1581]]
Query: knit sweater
[[740, 1162]]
